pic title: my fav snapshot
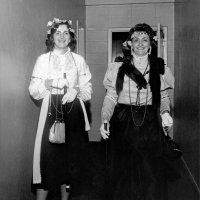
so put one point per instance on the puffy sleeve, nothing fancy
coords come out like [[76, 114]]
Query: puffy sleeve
[[110, 99], [84, 77], [37, 88], [167, 82], [167, 79]]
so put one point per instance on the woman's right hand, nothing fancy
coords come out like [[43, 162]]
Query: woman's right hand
[[59, 83], [104, 130], [48, 83]]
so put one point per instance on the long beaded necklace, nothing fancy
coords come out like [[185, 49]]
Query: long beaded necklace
[[137, 103], [51, 99]]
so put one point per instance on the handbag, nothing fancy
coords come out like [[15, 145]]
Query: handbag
[[57, 130], [171, 149]]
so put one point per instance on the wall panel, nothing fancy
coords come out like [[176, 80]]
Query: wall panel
[[187, 73]]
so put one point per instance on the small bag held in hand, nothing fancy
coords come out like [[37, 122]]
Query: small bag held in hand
[[57, 130]]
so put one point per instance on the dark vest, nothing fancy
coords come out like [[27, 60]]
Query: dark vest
[[156, 68]]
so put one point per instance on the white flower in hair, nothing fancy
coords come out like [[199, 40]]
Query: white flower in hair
[[70, 22], [56, 20], [71, 30], [49, 24], [155, 38], [124, 44], [127, 43]]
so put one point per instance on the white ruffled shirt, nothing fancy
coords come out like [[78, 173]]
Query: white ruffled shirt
[[52, 65]]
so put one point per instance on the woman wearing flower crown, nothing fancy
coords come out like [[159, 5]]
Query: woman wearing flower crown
[[61, 78], [135, 107]]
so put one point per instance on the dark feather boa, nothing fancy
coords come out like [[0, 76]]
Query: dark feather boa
[[156, 68]]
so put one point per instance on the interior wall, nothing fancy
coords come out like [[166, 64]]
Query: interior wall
[[104, 14], [187, 73], [23, 32]]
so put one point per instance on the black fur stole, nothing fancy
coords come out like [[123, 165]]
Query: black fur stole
[[156, 68]]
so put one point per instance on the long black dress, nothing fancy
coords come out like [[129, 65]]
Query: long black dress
[[136, 168], [65, 163]]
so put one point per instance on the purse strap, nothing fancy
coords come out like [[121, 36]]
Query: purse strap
[[55, 104], [58, 98]]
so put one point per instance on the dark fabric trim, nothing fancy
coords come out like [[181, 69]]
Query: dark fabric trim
[[156, 68]]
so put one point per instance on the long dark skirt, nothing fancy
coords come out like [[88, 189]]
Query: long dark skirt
[[136, 170], [65, 163]]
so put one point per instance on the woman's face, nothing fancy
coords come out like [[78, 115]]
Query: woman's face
[[61, 37], [140, 43]]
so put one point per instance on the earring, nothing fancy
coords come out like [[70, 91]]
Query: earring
[[129, 43], [149, 51], [132, 51]]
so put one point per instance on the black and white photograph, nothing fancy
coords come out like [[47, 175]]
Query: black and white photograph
[[100, 100]]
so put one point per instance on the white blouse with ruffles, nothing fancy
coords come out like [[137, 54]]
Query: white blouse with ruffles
[[53, 66]]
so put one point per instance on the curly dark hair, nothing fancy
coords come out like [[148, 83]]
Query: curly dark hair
[[50, 41], [142, 27]]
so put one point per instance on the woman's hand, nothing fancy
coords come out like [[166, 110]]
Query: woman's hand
[[59, 83], [167, 121], [48, 83], [69, 96], [104, 130], [85, 96]]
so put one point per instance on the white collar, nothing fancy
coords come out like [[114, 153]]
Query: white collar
[[57, 53], [140, 58]]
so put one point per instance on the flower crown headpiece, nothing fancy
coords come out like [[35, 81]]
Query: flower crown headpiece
[[128, 42], [57, 21]]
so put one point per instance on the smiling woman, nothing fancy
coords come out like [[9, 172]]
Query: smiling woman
[[60, 32], [61, 38], [140, 43], [61, 78], [135, 108]]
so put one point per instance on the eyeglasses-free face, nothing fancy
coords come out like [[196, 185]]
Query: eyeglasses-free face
[[61, 37], [140, 43]]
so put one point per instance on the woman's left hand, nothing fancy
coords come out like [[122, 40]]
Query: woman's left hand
[[69, 96], [105, 132], [167, 121]]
